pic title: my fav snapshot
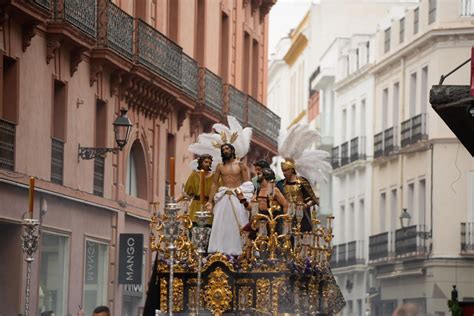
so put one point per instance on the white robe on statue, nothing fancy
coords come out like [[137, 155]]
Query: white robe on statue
[[230, 217]]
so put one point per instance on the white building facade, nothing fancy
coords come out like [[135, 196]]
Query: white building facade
[[419, 166], [352, 174], [368, 93]]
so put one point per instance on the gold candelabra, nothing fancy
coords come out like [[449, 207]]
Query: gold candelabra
[[270, 241], [290, 242]]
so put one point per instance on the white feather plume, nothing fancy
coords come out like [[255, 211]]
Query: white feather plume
[[298, 138], [310, 163], [209, 143], [242, 143]]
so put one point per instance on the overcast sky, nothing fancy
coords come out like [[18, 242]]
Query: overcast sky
[[284, 16]]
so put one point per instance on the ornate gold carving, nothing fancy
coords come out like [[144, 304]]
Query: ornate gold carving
[[245, 295], [219, 257], [218, 294], [178, 295], [263, 295], [276, 286], [28, 31], [245, 281], [192, 296], [163, 295]]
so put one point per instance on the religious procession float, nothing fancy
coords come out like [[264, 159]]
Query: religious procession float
[[267, 251]]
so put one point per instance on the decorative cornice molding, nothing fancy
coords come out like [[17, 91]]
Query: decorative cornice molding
[[95, 69], [52, 45], [75, 59], [28, 31]]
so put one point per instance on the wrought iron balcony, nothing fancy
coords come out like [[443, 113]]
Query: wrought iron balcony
[[57, 161], [405, 132], [355, 252], [235, 103], [358, 148], [378, 145], [344, 153], [80, 13], [467, 238], [335, 158], [341, 255], [213, 91], [410, 241], [379, 247], [190, 76], [7, 145], [159, 53], [413, 130], [263, 120], [418, 128], [119, 30], [390, 141], [349, 254]]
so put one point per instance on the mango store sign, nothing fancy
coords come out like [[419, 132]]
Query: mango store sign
[[131, 259]]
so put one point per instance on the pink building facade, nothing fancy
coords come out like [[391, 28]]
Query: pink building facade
[[67, 68]]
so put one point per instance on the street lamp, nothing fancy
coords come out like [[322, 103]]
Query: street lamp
[[122, 127], [405, 219]]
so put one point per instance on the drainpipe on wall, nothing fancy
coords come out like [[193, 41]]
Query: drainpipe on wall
[[402, 117]]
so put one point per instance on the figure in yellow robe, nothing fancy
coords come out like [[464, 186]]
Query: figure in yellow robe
[[192, 188]]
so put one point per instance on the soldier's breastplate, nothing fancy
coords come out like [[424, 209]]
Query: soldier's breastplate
[[293, 193]]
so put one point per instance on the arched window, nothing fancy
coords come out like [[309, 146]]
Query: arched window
[[136, 179]]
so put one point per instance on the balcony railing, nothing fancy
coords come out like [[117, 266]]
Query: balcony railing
[[7, 145], [99, 164], [378, 145], [413, 130], [390, 140], [213, 91], [57, 161], [79, 13], [190, 76], [467, 238], [409, 241], [143, 45], [341, 255], [418, 128], [355, 252], [119, 31], [358, 148], [348, 254], [405, 133], [236, 103], [159, 53], [335, 158], [262, 119], [379, 246], [344, 153]]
